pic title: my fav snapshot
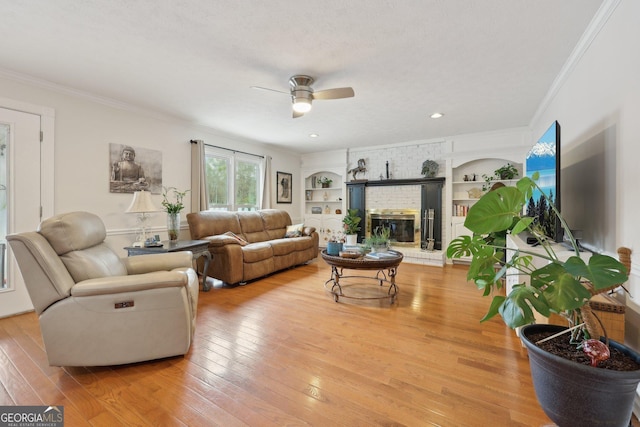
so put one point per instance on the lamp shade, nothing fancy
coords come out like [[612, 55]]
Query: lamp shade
[[141, 203]]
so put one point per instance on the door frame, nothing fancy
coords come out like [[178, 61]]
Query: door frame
[[46, 197], [47, 126]]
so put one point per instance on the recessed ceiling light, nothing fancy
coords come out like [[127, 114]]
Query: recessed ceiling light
[[436, 115], [313, 135]]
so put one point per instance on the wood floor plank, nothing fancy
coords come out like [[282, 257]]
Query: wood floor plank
[[279, 351]]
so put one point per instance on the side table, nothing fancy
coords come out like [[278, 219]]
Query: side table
[[199, 248]]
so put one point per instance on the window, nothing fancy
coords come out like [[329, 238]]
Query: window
[[233, 180]]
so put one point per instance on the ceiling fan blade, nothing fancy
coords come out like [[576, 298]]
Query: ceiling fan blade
[[337, 93], [271, 90]]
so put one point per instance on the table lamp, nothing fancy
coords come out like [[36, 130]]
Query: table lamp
[[142, 205]]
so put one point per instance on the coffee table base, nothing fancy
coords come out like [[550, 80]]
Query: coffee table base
[[384, 275]]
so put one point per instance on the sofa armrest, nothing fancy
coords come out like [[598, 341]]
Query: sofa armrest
[[221, 240], [148, 263], [133, 283]]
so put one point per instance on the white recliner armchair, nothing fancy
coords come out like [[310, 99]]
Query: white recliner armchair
[[97, 309]]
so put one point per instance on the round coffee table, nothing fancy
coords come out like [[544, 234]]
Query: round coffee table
[[386, 267]]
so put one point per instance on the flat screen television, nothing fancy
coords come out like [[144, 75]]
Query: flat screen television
[[589, 193], [544, 158]]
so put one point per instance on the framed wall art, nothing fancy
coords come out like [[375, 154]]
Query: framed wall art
[[284, 184], [134, 169]]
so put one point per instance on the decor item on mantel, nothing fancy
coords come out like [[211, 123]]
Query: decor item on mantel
[[351, 223], [569, 392], [429, 168], [173, 210], [360, 168]]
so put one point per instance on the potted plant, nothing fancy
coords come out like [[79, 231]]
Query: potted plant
[[325, 182], [173, 209], [562, 387], [351, 223], [379, 239], [507, 171]]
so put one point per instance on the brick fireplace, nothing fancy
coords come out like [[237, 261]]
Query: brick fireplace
[[402, 197]]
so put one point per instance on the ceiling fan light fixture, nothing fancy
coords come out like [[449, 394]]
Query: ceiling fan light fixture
[[301, 105]]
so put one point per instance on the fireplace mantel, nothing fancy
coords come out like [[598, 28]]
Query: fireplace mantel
[[392, 182]]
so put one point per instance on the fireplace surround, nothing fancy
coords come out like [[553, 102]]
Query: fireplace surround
[[390, 193], [404, 225]]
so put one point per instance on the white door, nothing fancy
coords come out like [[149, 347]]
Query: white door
[[20, 198]]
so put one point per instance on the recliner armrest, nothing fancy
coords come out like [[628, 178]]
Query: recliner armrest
[[132, 283], [140, 264]]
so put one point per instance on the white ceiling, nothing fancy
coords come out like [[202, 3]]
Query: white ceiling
[[486, 64]]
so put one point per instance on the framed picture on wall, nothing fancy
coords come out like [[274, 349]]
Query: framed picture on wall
[[283, 183], [134, 169]]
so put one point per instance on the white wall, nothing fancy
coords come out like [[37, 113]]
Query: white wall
[[602, 93], [84, 127]]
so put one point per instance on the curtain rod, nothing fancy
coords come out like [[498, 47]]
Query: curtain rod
[[193, 141]]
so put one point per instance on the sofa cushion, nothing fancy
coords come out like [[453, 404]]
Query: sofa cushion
[[288, 245], [78, 238], [252, 227], [294, 230], [275, 222], [73, 231], [211, 223], [256, 252]]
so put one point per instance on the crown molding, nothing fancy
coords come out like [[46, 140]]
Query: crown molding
[[595, 26]]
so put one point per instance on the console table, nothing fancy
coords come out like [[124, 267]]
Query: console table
[[338, 264], [199, 248]]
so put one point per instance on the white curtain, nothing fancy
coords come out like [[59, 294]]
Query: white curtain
[[266, 186], [199, 197]]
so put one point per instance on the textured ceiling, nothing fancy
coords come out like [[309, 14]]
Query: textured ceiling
[[486, 65]]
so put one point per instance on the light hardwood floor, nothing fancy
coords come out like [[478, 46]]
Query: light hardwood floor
[[280, 352]]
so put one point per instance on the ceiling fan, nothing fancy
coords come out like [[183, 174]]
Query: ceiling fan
[[302, 93]]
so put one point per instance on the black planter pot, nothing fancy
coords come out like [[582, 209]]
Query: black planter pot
[[572, 394]]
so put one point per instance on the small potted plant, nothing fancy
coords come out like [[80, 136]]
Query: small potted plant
[[351, 223], [173, 209], [325, 182], [335, 243], [507, 171], [379, 239], [559, 287]]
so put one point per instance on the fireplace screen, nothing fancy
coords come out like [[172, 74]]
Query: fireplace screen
[[404, 225]]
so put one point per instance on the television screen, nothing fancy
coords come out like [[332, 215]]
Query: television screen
[[544, 158]]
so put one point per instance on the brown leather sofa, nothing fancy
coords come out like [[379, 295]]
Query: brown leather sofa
[[249, 245]]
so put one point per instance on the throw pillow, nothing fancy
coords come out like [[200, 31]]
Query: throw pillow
[[294, 230], [240, 240]]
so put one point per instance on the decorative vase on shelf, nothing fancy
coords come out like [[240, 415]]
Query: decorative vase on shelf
[[173, 225]]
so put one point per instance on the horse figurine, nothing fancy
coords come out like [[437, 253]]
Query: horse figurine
[[360, 168]]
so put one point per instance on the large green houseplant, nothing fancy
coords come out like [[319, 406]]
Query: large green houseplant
[[561, 286]]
